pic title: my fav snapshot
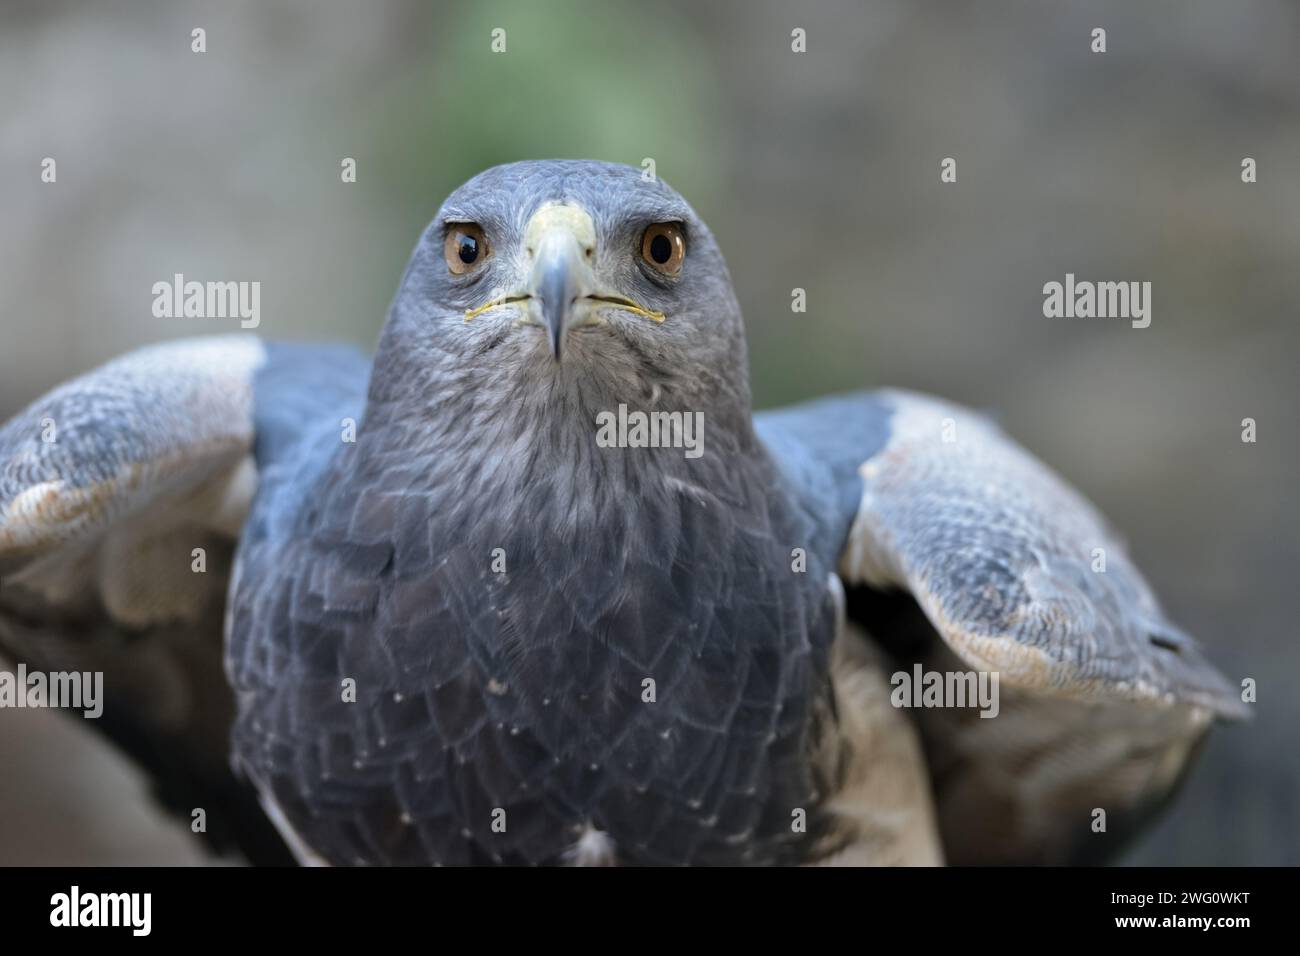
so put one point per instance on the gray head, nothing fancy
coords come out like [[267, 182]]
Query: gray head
[[572, 283]]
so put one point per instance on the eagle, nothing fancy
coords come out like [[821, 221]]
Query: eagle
[[428, 607]]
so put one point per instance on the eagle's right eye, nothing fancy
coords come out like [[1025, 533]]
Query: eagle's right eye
[[465, 247]]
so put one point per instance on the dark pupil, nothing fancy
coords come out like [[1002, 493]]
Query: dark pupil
[[468, 249], [661, 249]]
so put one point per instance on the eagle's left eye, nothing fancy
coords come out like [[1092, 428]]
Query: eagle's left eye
[[465, 247], [663, 247]]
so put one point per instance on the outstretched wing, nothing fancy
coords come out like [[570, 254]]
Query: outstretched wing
[[121, 496], [1102, 699]]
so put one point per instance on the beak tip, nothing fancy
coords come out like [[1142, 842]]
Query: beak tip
[[555, 336]]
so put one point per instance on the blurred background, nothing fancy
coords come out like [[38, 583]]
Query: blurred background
[[817, 170]]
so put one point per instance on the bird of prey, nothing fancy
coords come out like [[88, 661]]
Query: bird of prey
[[435, 608]]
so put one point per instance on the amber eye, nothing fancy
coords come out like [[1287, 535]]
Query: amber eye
[[465, 247], [663, 247]]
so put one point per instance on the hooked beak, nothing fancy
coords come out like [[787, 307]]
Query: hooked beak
[[561, 239]]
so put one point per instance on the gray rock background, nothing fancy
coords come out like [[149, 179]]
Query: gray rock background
[[817, 170]]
